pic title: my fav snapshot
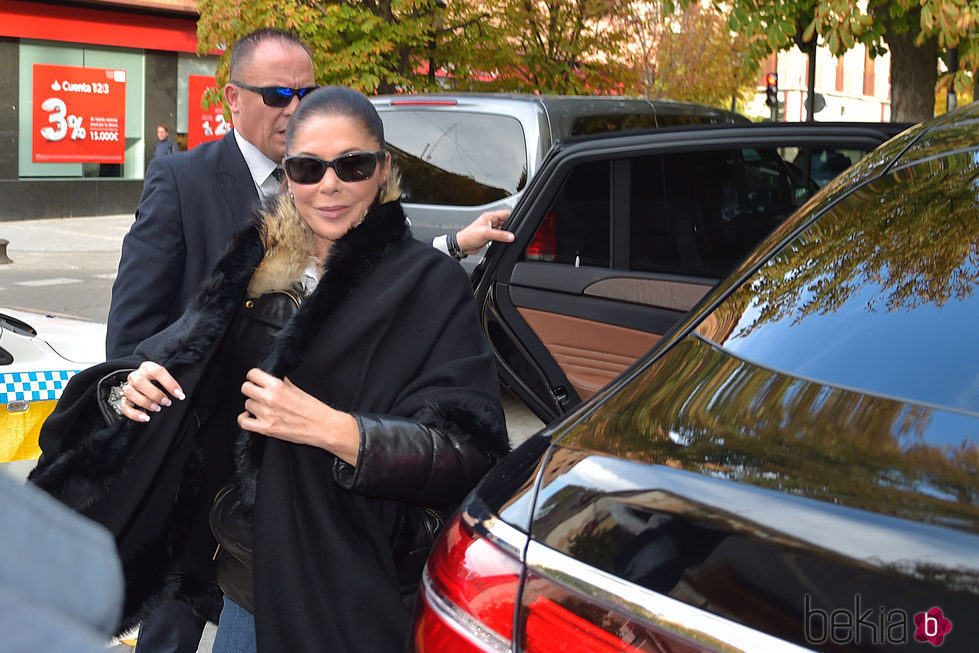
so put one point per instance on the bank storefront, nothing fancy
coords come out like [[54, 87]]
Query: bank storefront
[[83, 88]]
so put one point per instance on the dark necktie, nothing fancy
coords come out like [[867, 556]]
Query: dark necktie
[[279, 174]]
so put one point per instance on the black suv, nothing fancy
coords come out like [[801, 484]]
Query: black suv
[[794, 466]]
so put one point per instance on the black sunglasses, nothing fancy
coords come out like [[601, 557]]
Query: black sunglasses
[[356, 166], [277, 96]]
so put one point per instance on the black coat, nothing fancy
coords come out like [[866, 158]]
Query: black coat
[[390, 335]]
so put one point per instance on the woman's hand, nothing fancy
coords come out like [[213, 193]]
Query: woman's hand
[[148, 388], [278, 409]]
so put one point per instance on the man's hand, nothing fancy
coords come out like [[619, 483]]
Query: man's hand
[[484, 229]]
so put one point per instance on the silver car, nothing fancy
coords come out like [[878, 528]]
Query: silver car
[[463, 154]]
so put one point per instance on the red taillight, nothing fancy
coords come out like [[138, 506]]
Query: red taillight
[[543, 247], [469, 602], [469, 595], [555, 619], [551, 627]]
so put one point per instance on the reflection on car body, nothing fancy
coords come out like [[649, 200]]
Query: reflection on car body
[[793, 467]]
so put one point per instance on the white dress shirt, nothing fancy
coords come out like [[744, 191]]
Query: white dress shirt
[[260, 167]]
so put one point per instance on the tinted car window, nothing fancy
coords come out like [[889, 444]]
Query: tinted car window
[[857, 293], [576, 228], [821, 164], [612, 122], [456, 158], [698, 213], [689, 213]]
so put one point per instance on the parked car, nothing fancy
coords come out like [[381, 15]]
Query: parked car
[[463, 154], [795, 464], [39, 352], [619, 235]]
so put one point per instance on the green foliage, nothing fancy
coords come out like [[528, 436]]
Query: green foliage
[[373, 46], [562, 46]]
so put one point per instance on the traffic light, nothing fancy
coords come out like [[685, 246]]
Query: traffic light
[[771, 89]]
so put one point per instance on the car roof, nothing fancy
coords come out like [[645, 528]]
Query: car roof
[[562, 110], [613, 139]]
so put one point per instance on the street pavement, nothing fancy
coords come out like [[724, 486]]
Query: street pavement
[[81, 245]]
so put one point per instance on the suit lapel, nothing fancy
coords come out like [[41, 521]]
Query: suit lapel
[[236, 185]]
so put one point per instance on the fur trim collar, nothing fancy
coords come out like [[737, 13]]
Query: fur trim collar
[[273, 251], [350, 258], [287, 240]]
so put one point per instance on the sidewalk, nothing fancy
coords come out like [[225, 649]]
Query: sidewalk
[[31, 240]]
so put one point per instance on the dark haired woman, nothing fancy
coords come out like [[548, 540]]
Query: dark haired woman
[[323, 423]]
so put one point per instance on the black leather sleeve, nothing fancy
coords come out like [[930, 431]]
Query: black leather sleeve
[[403, 459]]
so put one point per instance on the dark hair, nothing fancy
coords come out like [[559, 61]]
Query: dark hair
[[243, 48], [336, 101]]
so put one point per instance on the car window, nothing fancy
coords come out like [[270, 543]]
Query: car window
[[693, 213], [456, 158], [612, 122], [576, 228], [698, 213], [824, 163]]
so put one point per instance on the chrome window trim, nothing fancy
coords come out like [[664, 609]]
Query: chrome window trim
[[497, 531], [665, 613]]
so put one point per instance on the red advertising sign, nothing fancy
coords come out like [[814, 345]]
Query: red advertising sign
[[79, 114], [204, 124]]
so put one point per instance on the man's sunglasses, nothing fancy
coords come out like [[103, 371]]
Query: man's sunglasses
[[276, 96], [356, 166]]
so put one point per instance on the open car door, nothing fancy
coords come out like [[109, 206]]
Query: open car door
[[618, 236]]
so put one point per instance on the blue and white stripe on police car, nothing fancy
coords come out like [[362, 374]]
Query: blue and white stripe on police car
[[33, 386]]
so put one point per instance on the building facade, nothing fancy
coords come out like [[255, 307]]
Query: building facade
[[852, 88], [83, 87]]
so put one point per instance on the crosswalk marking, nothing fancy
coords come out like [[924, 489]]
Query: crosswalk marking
[[61, 281]]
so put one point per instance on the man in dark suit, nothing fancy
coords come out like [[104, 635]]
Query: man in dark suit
[[192, 204]]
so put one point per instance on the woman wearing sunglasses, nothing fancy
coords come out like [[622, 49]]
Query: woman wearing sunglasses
[[329, 383]]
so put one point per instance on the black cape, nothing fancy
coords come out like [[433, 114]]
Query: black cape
[[391, 329]]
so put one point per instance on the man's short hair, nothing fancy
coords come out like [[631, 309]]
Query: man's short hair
[[164, 127], [243, 48]]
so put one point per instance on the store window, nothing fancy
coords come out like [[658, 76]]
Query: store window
[[91, 133]]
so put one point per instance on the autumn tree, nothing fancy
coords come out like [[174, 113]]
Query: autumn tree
[[913, 30], [560, 46], [371, 45], [689, 54]]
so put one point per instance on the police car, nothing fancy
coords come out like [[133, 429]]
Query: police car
[[39, 352]]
